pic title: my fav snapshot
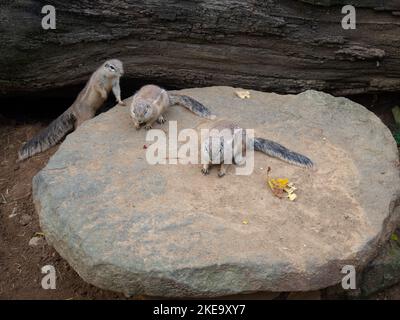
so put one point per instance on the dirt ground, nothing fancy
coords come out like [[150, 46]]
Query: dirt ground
[[20, 263]]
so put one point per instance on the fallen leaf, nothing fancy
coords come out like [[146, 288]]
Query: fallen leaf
[[282, 183], [290, 190], [396, 114], [278, 183], [282, 188], [278, 193], [40, 234], [245, 222], [243, 94], [292, 196]]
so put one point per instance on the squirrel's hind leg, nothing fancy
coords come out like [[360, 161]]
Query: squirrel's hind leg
[[222, 170], [206, 169]]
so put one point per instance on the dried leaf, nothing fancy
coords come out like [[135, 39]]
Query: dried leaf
[[39, 234], [243, 94], [292, 196], [290, 190], [278, 193], [271, 185], [396, 114], [282, 188], [282, 183], [278, 183]]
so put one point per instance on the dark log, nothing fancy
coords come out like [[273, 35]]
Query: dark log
[[284, 46]]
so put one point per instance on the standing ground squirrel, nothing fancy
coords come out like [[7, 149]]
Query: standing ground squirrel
[[217, 137], [150, 103], [104, 80]]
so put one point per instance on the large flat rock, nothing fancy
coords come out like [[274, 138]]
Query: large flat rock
[[166, 230]]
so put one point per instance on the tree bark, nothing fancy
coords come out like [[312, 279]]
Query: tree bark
[[285, 46]]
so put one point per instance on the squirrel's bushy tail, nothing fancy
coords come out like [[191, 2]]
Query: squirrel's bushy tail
[[276, 150], [48, 137], [191, 104]]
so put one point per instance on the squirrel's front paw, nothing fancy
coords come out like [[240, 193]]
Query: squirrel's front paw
[[136, 124], [161, 120], [120, 102], [148, 126], [205, 171]]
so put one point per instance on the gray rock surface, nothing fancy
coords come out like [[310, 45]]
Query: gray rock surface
[[384, 271], [166, 230]]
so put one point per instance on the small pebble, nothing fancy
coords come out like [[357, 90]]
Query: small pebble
[[25, 219], [36, 241]]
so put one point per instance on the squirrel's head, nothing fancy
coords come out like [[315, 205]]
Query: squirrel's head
[[141, 111], [113, 68]]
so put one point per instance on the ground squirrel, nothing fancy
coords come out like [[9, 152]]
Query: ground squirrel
[[268, 147], [104, 80], [150, 103]]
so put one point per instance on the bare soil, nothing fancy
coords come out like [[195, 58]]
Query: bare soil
[[20, 264]]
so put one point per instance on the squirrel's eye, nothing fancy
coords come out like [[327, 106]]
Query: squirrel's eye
[[112, 68]]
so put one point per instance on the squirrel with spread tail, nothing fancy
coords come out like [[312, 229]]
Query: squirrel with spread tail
[[104, 80]]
